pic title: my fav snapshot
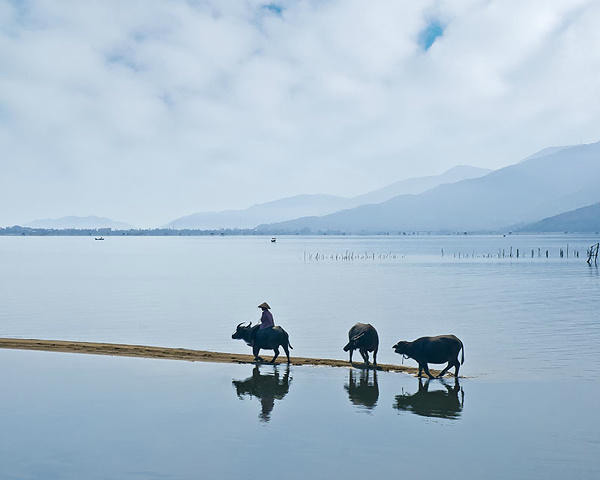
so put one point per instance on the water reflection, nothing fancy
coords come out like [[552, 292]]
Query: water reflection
[[267, 388], [361, 391], [436, 403]]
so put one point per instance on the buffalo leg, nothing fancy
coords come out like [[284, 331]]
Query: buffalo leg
[[442, 373], [457, 365], [426, 368], [420, 370], [255, 352], [287, 352], [375, 358], [365, 356], [276, 350], [351, 352]]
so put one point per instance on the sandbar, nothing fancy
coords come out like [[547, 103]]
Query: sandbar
[[146, 351]]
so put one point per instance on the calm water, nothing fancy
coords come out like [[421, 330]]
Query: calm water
[[68, 416], [515, 316], [530, 326]]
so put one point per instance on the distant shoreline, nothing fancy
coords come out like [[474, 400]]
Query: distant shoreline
[[145, 351], [170, 232]]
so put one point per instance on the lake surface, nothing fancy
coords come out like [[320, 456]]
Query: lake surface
[[530, 325], [69, 416], [516, 316]]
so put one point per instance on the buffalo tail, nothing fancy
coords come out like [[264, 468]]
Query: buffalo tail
[[462, 358]]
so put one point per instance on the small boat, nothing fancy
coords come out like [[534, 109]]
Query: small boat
[[273, 240], [98, 238]]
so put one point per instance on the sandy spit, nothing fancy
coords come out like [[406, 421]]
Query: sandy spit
[[144, 351]]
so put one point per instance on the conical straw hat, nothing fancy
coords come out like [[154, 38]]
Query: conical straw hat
[[264, 305]]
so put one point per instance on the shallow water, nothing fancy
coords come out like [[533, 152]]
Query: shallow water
[[72, 416], [526, 316]]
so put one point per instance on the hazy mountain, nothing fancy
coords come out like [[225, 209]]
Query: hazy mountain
[[546, 151], [77, 222], [419, 185], [585, 219], [317, 205], [540, 186], [274, 211]]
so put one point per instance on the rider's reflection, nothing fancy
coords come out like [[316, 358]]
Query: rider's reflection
[[362, 392], [436, 403], [267, 388]]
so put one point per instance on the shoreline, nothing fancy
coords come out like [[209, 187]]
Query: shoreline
[[169, 353]]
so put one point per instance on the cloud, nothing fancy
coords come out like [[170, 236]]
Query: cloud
[[145, 111]]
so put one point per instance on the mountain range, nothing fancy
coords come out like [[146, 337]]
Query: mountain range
[[318, 204], [553, 190], [545, 184]]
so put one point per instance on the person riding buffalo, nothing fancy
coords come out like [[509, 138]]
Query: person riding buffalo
[[266, 319]]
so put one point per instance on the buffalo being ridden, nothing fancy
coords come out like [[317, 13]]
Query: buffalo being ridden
[[363, 337], [440, 349], [264, 338]]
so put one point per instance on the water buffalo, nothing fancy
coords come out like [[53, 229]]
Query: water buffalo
[[363, 392], [436, 403], [440, 349], [264, 338], [363, 337], [267, 388]]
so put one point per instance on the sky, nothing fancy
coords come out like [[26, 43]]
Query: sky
[[144, 111]]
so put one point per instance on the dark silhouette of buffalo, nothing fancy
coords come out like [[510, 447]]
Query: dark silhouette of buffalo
[[267, 388], [440, 349], [362, 392], [363, 337], [437, 403], [264, 338]]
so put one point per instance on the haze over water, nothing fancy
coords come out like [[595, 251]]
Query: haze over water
[[515, 316]]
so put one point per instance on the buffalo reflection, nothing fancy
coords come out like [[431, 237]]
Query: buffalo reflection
[[266, 388], [437, 403], [363, 393]]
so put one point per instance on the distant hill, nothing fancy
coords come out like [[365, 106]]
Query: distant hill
[[317, 205], [274, 211], [580, 220], [546, 151], [543, 185], [414, 186], [77, 222]]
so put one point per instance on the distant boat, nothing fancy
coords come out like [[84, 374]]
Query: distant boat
[[98, 238], [273, 240]]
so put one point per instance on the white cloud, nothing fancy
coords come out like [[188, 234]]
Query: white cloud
[[144, 111]]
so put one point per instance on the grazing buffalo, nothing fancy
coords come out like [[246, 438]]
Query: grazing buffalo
[[436, 403], [264, 338], [440, 349], [363, 337]]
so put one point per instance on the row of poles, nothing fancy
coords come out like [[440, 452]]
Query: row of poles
[[518, 253], [592, 254], [350, 256]]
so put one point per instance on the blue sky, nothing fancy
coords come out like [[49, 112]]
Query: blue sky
[[146, 111], [433, 29]]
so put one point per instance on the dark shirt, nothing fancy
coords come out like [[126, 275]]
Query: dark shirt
[[266, 320]]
